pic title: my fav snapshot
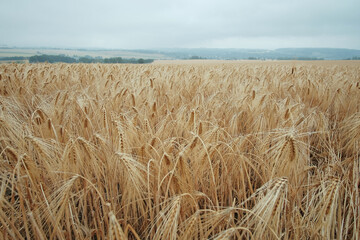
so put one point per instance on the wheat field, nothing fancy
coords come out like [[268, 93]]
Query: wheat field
[[234, 150]]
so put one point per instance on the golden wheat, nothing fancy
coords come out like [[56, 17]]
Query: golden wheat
[[232, 150]]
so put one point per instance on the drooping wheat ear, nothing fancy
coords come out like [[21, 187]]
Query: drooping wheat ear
[[143, 151], [292, 148], [57, 98], [147, 126], [330, 197], [62, 132], [124, 91], [29, 166], [200, 129], [115, 230], [253, 94], [87, 147], [49, 124], [154, 107], [289, 149], [51, 128], [41, 115], [265, 217], [262, 99], [11, 154], [117, 85], [191, 121], [214, 221], [58, 201], [86, 109], [86, 122], [152, 142], [118, 96], [121, 142], [287, 114], [133, 100], [182, 164], [36, 227], [64, 98], [323, 213], [135, 110], [107, 82], [151, 83], [72, 152], [38, 146], [293, 70], [194, 142], [167, 159], [299, 121], [190, 227], [280, 185], [104, 117], [226, 234], [168, 221]]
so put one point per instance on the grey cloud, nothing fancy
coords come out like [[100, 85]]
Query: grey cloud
[[160, 23]]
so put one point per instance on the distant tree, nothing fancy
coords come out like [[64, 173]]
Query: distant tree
[[51, 59], [13, 58], [113, 60], [148, 60], [86, 60]]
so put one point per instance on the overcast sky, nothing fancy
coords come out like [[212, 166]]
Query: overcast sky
[[145, 24]]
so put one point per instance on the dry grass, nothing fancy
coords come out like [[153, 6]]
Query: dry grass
[[169, 151]]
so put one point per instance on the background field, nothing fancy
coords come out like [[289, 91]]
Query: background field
[[194, 53], [180, 150], [257, 63], [28, 52]]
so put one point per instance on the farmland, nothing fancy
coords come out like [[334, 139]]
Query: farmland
[[180, 150], [28, 52]]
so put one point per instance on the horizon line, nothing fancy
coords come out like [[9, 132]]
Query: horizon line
[[4, 46]]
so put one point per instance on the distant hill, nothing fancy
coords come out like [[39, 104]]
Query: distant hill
[[325, 53], [190, 53], [281, 53]]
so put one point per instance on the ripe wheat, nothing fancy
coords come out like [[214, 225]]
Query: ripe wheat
[[179, 151]]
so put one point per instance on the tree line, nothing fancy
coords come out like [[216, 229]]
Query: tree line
[[86, 59]]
